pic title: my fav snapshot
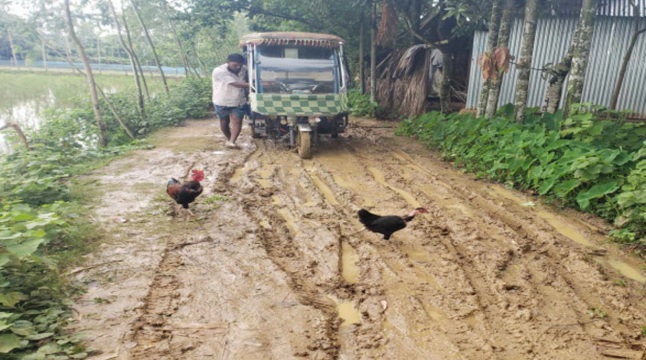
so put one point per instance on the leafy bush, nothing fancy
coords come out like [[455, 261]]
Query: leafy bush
[[360, 104], [589, 164], [76, 126], [33, 309], [34, 222], [40, 230]]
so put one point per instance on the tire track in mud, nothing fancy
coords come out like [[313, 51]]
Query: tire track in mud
[[272, 205], [519, 239], [503, 304], [151, 331], [556, 253], [479, 277], [418, 293]]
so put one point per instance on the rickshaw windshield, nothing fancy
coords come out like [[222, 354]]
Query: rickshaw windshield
[[297, 70]]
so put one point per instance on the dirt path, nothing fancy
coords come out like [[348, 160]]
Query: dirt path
[[273, 267]]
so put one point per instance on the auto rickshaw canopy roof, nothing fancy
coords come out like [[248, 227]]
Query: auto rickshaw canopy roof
[[292, 38]]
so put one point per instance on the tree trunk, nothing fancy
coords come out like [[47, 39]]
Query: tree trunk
[[178, 41], [415, 11], [68, 49], [18, 130], [580, 55], [557, 75], [13, 50], [152, 46], [199, 60], [624, 64], [445, 88], [43, 50], [525, 62], [98, 49], [103, 138], [492, 40], [503, 42], [133, 63], [105, 97], [373, 52], [362, 70], [137, 65]]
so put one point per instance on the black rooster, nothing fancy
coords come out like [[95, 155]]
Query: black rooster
[[387, 225], [185, 193]]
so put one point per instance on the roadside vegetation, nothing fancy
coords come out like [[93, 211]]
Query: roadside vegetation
[[591, 162], [43, 227]]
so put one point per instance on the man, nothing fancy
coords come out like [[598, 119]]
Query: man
[[229, 84]]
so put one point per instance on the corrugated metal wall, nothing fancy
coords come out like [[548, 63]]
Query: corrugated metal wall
[[553, 36], [606, 7]]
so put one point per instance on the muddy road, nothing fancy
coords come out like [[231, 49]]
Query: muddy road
[[273, 265]]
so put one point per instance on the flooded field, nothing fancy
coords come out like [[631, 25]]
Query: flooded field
[[275, 264], [24, 96]]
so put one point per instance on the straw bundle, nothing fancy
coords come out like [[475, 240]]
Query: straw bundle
[[404, 80]]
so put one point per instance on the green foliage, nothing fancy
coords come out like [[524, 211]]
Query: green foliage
[[75, 127], [40, 232], [40, 235], [33, 309], [593, 165], [360, 104]]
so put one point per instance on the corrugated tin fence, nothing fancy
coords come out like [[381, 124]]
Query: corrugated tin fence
[[553, 36]]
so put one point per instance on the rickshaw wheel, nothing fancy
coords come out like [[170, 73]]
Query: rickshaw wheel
[[304, 144], [252, 128]]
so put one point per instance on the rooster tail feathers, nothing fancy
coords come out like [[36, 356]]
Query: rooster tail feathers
[[366, 217]]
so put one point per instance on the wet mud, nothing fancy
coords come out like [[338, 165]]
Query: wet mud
[[275, 264]]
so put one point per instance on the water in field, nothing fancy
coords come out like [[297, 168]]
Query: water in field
[[24, 97], [27, 114]]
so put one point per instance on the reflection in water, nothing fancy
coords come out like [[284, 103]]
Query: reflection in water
[[347, 311], [27, 114], [625, 269]]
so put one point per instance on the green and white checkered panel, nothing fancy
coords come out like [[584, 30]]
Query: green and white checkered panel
[[298, 104]]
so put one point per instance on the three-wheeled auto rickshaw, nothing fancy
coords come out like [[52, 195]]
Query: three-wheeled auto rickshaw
[[298, 85]]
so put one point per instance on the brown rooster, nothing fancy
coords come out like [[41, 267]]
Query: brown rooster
[[387, 225], [185, 193]]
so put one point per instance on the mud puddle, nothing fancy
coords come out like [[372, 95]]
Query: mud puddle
[[275, 265]]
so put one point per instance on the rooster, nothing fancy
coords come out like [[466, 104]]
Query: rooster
[[387, 225], [185, 193]]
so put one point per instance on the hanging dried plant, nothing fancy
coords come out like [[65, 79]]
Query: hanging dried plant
[[493, 66], [485, 62], [501, 58]]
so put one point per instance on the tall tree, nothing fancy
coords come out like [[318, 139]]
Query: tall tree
[[502, 50], [138, 69], [629, 53], [492, 40], [580, 56], [103, 137], [525, 62], [362, 70], [152, 45], [13, 48], [445, 87], [373, 51], [178, 41], [133, 63]]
